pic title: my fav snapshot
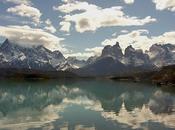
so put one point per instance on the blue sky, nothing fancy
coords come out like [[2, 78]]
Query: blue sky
[[83, 27]]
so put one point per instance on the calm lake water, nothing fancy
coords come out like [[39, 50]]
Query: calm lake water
[[85, 105]]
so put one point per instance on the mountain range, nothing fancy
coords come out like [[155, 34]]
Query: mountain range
[[112, 60]]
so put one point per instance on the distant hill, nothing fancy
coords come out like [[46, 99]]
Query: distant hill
[[166, 75], [163, 76], [14, 73]]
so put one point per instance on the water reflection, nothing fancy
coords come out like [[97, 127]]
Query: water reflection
[[84, 105]]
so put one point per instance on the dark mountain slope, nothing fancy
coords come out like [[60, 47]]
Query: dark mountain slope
[[102, 67]]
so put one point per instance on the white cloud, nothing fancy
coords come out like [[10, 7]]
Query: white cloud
[[114, 34], [48, 22], [93, 17], [167, 37], [165, 4], [26, 2], [66, 1], [79, 55], [49, 27], [26, 11], [28, 37], [129, 1], [65, 26], [124, 31], [75, 5], [94, 50], [140, 39]]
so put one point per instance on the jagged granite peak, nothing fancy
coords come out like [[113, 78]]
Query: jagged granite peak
[[114, 51], [129, 51], [36, 57], [162, 49], [7, 46], [169, 46], [135, 57], [58, 55], [162, 55]]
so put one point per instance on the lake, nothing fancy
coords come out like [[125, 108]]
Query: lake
[[87, 104]]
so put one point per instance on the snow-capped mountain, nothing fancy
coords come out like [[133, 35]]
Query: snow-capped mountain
[[91, 60], [112, 60], [76, 63], [162, 55], [39, 58]]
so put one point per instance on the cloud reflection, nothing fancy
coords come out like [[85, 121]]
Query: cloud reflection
[[40, 108], [138, 116]]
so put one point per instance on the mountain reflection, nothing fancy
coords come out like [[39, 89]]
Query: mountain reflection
[[84, 105]]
